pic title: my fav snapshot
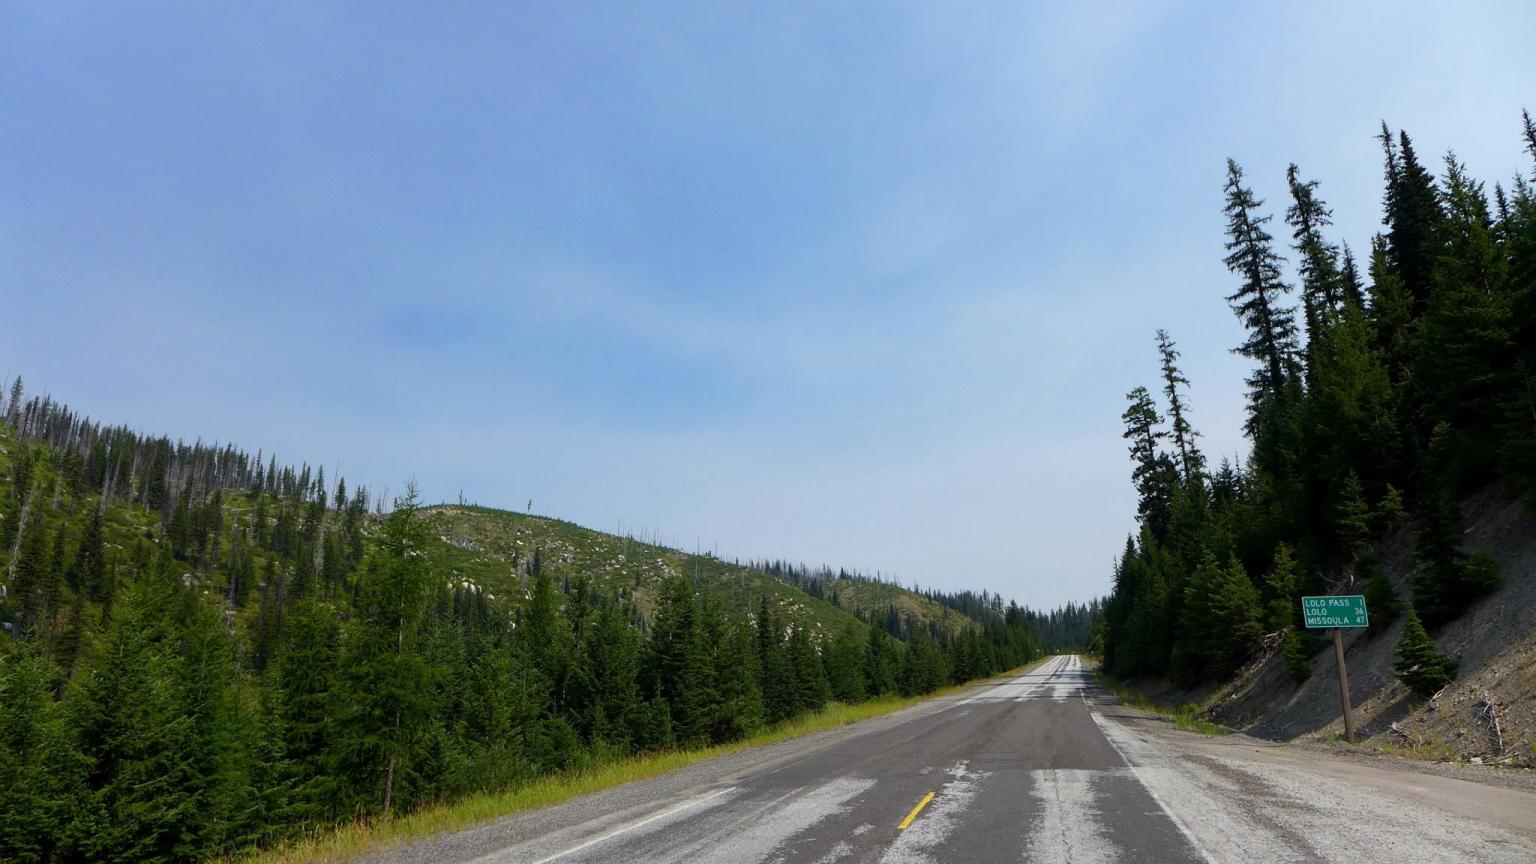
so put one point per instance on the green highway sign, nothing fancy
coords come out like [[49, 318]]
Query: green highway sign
[[1343, 610]]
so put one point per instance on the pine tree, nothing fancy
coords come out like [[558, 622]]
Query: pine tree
[[1381, 598], [1121, 654], [1482, 574], [1297, 665], [1349, 280], [612, 661], [778, 675], [1322, 288], [88, 572], [78, 627], [1152, 610], [179, 531], [497, 729], [13, 409], [1423, 386], [881, 663], [845, 665], [269, 620], [35, 582], [544, 638], [140, 771], [811, 688], [1413, 217], [738, 706], [1437, 546], [1220, 621], [1444, 583], [677, 668], [1271, 327], [1141, 422], [305, 682], [1191, 463], [1352, 515], [923, 666], [1280, 588], [1425, 670], [1153, 472], [1390, 513], [1518, 454], [218, 747], [1463, 376], [384, 683], [1236, 607], [1391, 313], [38, 771], [1352, 434]]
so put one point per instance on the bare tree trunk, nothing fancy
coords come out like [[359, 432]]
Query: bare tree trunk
[[133, 477], [389, 777], [319, 558], [389, 771], [21, 528], [106, 482], [234, 572]]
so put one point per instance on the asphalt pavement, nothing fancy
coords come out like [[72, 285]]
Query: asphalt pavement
[[1041, 767]]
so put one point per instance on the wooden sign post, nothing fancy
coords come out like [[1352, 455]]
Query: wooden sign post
[[1336, 613]]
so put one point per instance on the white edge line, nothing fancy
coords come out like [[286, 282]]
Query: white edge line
[[1172, 817], [633, 825]]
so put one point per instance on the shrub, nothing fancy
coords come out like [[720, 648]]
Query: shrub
[[1425, 670]]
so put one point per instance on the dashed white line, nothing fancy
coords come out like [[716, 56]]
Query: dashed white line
[[686, 805], [757, 841]]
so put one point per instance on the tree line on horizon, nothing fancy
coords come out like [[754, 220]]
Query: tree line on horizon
[[1380, 404], [1067, 628], [203, 654]]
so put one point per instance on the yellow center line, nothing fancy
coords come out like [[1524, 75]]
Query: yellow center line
[[915, 810]]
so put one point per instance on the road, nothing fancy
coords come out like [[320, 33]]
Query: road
[[1042, 767]]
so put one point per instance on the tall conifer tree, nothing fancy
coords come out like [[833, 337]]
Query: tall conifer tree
[[1271, 327], [1191, 463], [1413, 218], [1322, 283], [384, 679]]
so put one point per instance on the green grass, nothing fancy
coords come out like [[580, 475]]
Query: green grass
[[1189, 717], [354, 839]]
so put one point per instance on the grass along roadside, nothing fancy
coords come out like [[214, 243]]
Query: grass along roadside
[[354, 839], [1186, 716]]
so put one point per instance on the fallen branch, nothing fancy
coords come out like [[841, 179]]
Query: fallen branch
[[1489, 714]]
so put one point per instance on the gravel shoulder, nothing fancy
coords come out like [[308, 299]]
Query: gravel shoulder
[[1509, 777], [1285, 791]]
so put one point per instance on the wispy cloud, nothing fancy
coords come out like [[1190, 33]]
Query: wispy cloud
[[818, 283]]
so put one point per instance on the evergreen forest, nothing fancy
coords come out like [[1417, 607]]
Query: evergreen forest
[[206, 651], [1383, 391]]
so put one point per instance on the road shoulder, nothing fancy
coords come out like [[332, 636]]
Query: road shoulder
[[1504, 800]]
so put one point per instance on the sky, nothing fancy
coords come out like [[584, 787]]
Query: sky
[[854, 284]]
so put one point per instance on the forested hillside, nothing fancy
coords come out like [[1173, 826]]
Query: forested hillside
[[206, 650], [1376, 407], [492, 549]]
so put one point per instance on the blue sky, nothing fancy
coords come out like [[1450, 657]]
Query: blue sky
[[862, 284]]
